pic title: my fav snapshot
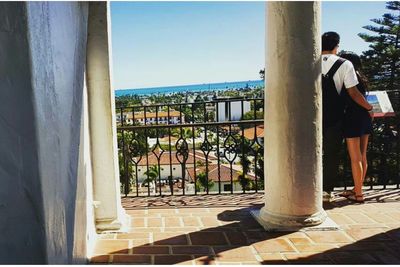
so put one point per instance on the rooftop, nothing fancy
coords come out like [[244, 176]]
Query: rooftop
[[224, 174], [151, 115], [249, 132]]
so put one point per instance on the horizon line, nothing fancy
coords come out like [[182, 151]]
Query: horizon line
[[182, 85]]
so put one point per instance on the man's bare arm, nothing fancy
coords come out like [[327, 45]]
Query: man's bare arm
[[359, 98]]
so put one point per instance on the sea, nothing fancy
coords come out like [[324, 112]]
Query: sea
[[191, 88]]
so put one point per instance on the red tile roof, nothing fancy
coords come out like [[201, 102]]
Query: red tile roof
[[249, 132], [225, 173], [149, 115]]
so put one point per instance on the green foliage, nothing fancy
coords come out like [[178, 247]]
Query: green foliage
[[382, 60], [259, 171], [257, 105], [152, 175], [244, 182], [200, 163], [130, 175], [245, 162], [202, 183], [381, 65], [154, 133], [187, 111], [250, 115], [134, 145], [185, 133], [198, 99], [127, 100], [211, 116], [165, 147]]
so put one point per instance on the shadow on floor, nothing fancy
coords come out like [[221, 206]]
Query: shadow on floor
[[211, 200], [241, 230], [370, 196], [382, 248]]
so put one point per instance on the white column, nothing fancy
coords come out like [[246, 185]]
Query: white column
[[293, 132], [102, 124]]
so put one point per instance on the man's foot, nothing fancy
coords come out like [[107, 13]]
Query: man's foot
[[356, 198], [328, 196], [347, 193]]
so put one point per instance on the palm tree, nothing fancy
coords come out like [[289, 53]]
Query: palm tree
[[186, 133], [152, 174], [245, 162], [243, 181]]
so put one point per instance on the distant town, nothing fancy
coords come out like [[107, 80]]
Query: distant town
[[192, 141]]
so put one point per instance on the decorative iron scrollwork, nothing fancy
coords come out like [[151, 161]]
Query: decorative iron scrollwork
[[182, 150], [206, 147], [134, 151], [230, 148], [159, 149]]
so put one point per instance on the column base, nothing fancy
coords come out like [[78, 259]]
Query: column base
[[281, 223], [119, 224], [108, 225]]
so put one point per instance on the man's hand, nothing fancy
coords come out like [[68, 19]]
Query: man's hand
[[371, 114], [359, 98]]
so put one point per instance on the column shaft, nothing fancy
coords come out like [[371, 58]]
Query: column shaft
[[104, 151], [293, 133]]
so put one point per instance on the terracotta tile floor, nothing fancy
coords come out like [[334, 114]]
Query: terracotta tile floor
[[206, 230]]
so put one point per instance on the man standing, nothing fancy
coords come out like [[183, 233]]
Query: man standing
[[338, 74]]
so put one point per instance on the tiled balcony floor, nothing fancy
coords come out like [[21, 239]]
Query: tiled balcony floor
[[220, 230]]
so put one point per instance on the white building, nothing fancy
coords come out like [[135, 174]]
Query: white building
[[169, 164], [223, 176], [234, 107], [152, 117]]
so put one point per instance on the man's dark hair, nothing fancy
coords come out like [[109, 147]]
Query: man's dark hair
[[329, 41]]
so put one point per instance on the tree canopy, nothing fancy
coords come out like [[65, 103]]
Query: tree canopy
[[382, 60]]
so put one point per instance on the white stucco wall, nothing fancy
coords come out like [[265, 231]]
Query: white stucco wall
[[85, 230], [165, 171], [20, 184], [42, 61]]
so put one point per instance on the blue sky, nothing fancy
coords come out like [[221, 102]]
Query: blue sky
[[348, 18], [177, 43]]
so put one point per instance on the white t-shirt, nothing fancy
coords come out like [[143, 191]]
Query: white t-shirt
[[344, 75]]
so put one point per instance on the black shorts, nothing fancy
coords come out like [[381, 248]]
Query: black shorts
[[357, 122]]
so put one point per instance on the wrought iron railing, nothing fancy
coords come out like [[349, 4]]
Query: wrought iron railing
[[216, 147], [209, 147]]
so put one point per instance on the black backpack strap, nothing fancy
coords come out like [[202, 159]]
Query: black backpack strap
[[335, 67]]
